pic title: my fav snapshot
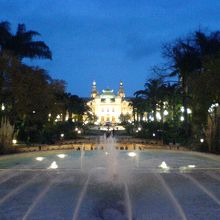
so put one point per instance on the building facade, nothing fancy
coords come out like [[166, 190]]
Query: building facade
[[109, 107]]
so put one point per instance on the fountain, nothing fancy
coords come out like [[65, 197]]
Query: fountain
[[108, 184]]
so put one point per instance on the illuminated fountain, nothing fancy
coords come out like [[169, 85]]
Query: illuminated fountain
[[108, 184]]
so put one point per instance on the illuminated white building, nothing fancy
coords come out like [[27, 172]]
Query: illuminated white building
[[107, 106]]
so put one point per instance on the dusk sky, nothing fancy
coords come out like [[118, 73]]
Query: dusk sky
[[108, 40]]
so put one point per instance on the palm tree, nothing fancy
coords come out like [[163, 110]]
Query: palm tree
[[22, 44], [151, 93], [184, 59]]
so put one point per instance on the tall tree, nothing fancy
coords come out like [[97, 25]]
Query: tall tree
[[22, 44], [152, 93]]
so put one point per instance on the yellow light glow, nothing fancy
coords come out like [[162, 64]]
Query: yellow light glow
[[14, 141]]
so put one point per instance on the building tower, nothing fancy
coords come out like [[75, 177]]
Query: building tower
[[121, 92], [94, 92]]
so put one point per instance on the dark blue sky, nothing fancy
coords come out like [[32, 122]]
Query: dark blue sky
[[108, 40]]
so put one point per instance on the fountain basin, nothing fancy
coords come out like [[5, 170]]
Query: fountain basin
[[80, 187]]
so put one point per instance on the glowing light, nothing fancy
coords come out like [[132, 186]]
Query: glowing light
[[14, 141], [79, 132], [76, 129], [189, 111], [158, 116], [53, 165], [58, 116], [56, 120], [151, 118], [181, 118], [139, 129], [39, 158], [212, 107], [61, 155], [201, 140], [186, 168], [131, 154], [182, 109], [154, 134], [49, 115], [62, 135], [163, 165], [106, 153], [191, 166], [66, 118], [165, 112], [3, 107], [34, 112]]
